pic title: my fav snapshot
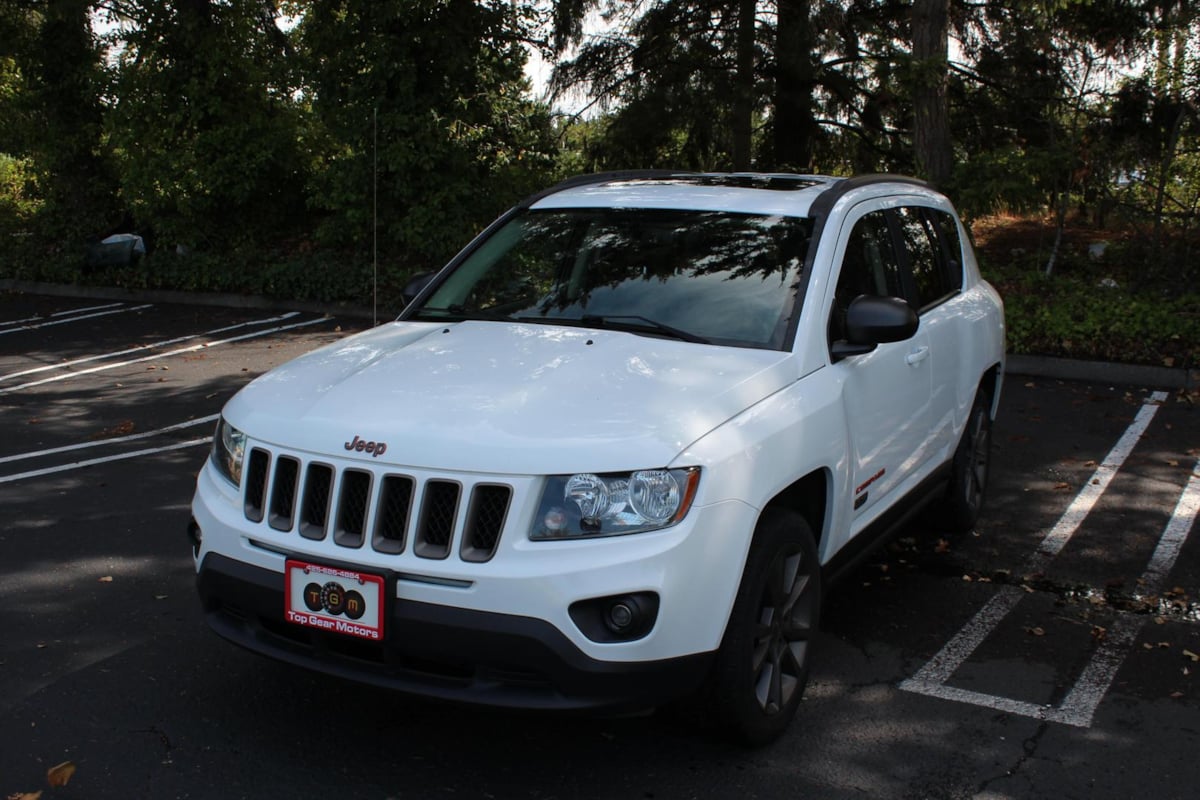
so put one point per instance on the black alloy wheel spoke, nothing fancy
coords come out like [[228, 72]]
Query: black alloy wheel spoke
[[782, 632]]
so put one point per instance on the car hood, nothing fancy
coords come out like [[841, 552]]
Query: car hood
[[506, 397]]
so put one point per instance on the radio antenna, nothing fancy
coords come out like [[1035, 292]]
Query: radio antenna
[[375, 218]]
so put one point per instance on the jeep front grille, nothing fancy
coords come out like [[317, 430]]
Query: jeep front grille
[[391, 513]]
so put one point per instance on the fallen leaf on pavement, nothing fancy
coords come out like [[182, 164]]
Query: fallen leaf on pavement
[[1191, 655], [1036, 631], [24, 796], [60, 774], [106, 579]]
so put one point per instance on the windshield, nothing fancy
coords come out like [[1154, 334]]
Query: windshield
[[699, 275]]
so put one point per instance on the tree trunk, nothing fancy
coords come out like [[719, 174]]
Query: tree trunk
[[795, 124], [743, 100], [931, 125]]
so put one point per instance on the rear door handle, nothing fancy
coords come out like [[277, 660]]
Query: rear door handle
[[917, 356]]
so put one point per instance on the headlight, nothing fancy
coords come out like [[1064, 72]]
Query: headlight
[[229, 446], [587, 505]]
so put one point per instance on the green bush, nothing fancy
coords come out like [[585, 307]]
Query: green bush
[[1082, 318]]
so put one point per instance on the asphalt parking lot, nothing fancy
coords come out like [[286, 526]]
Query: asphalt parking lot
[[1053, 653]]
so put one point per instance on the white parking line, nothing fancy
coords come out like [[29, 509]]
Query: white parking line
[[158, 356], [70, 311], [65, 320], [113, 440], [104, 460], [142, 347], [1080, 703], [1097, 677]]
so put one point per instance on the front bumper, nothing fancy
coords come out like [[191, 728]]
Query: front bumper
[[439, 651]]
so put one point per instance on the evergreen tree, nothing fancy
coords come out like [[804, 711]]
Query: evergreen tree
[[428, 98]]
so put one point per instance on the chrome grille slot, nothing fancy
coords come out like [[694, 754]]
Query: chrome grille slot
[[283, 494], [318, 481], [485, 521], [353, 497], [439, 511], [257, 470], [391, 517]]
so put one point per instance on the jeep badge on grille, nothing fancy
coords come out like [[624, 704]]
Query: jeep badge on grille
[[376, 449]]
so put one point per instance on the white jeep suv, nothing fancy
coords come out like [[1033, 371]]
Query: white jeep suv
[[609, 456]]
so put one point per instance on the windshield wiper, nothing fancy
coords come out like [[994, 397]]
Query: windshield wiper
[[464, 314], [634, 323]]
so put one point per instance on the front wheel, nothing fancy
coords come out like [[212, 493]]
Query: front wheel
[[762, 665]]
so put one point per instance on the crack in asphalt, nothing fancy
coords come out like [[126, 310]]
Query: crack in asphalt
[[1029, 748], [163, 739]]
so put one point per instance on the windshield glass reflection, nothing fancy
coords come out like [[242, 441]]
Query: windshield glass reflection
[[721, 277]]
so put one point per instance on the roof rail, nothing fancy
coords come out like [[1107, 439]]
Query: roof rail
[[824, 202]]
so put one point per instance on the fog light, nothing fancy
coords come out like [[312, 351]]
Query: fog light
[[617, 618], [620, 617]]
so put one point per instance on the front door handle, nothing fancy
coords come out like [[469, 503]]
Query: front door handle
[[917, 356]]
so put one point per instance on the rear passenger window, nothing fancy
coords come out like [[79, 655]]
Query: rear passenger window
[[925, 257], [947, 229]]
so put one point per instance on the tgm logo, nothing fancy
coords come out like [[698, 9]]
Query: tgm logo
[[332, 598], [376, 449]]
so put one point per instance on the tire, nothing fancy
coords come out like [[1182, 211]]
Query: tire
[[958, 511], [761, 668]]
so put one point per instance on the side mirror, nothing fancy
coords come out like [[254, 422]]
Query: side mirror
[[871, 321], [415, 285]]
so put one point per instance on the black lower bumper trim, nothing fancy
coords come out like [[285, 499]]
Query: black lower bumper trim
[[440, 651]]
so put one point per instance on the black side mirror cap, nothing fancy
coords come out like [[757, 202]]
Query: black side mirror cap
[[871, 321]]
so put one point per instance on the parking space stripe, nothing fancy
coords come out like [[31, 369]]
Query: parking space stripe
[[37, 317], [104, 460], [144, 347], [158, 356], [1083, 503], [78, 318], [85, 308], [1084, 698], [113, 440], [1182, 521], [1080, 703]]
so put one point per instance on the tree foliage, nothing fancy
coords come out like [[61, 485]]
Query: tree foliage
[[425, 101], [262, 133], [204, 126]]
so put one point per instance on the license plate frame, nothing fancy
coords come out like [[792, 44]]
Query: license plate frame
[[340, 600]]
